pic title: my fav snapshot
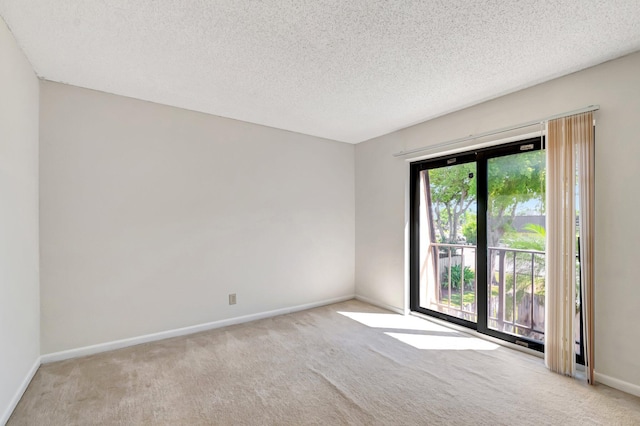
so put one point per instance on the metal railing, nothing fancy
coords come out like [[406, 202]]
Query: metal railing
[[519, 306], [517, 276], [454, 255]]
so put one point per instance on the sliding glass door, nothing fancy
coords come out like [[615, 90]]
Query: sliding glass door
[[446, 211], [515, 242], [477, 240]]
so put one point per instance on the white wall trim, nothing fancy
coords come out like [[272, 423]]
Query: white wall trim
[[123, 343], [18, 395], [627, 387], [380, 304]]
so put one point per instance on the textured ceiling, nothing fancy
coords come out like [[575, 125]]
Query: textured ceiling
[[344, 70]]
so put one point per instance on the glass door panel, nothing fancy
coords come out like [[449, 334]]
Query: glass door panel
[[515, 238], [447, 239]]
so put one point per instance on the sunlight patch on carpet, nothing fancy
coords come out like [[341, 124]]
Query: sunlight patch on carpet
[[395, 321], [444, 343], [425, 334]]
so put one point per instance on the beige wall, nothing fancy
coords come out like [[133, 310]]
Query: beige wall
[[19, 289], [381, 185], [152, 215]]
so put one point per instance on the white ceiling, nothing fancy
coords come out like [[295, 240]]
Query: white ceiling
[[347, 70]]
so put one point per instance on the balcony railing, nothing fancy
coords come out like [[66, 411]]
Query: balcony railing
[[519, 278], [454, 295], [516, 287]]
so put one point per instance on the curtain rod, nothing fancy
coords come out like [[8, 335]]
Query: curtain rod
[[495, 132]]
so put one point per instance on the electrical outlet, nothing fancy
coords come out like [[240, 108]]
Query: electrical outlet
[[232, 299]]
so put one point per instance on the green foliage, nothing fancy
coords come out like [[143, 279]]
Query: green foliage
[[453, 191], [523, 283], [469, 298], [524, 241], [513, 180], [456, 278], [536, 229], [534, 239], [469, 228]]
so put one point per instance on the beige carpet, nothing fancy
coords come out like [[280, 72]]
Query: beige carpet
[[348, 363]]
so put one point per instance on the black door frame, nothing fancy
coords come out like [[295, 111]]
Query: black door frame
[[480, 157]]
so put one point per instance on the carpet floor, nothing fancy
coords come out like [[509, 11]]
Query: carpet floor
[[347, 363]]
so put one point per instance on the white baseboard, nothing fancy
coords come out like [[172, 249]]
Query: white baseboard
[[627, 387], [380, 304], [123, 343], [23, 387]]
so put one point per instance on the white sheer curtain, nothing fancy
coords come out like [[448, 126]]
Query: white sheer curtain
[[568, 156], [585, 150]]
